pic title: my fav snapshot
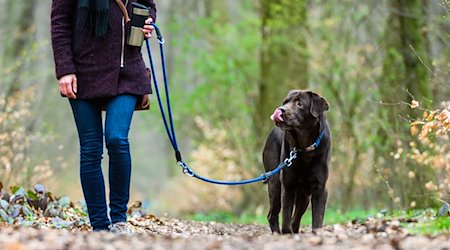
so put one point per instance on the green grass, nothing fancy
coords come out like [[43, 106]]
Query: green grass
[[332, 216], [224, 217], [433, 227], [428, 223]]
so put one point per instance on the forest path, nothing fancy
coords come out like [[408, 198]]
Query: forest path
[[170, 233]]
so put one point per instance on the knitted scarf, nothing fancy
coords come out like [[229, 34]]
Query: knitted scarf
[[93, 14]]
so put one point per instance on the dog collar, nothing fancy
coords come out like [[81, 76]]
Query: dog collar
[[316, 144]]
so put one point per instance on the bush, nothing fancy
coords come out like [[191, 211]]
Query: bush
[[432, 149], [17, 135]]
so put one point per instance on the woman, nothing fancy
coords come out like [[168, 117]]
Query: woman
[[97, 69]]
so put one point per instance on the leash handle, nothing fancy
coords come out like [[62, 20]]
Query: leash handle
[[158, 33]]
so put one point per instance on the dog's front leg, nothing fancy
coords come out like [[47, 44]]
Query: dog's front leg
[[301, 204], [287, 206], [319, 202]]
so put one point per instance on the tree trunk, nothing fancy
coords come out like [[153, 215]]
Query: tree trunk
[[406, 60], [413, 50], [405, 77], [284, 62], [217, 6], [19, 32]]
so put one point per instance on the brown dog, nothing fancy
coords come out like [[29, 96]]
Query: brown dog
[[299, 123]]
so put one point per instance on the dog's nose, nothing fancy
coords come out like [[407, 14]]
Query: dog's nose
[[282, 109]]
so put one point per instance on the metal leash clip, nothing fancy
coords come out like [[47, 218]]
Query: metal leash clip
[[185, 169], [292, 156], [266, 176]]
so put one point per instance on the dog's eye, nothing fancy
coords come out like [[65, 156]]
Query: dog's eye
[[300, 104]]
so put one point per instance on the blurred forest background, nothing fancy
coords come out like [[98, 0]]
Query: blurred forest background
[[383, 66]]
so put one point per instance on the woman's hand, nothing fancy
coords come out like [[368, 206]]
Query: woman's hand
[[145, 102], [147, 29], [68, 86]]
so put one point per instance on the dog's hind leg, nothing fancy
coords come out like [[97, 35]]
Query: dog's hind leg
[[275, 203], [301, 204]]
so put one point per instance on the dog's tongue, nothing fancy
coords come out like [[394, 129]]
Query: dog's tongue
[[276, 116]]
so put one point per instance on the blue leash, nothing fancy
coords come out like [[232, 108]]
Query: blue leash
[[171, 131]]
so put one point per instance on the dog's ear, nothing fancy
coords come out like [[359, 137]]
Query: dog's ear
[[318, 104], [292, 92]]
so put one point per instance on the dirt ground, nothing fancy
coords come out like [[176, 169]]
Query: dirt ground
[[171, 233]]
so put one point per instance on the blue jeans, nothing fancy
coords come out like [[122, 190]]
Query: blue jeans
[[88, 119]]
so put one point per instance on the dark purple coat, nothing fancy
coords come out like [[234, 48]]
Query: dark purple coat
[[105, 66]]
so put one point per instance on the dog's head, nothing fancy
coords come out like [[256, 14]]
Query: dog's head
[[300, 110]]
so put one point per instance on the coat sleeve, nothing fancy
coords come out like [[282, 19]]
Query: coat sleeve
[[61, 29], [151, 4]]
